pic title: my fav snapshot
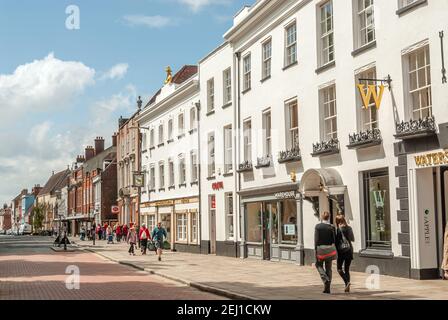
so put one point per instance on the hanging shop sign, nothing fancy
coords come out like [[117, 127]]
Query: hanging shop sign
[[371, 92], [138, 180], [218, 186], [115, 209], [286, 195], [431, 159]]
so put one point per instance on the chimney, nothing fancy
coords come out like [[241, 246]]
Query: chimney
[[36, 190], [89, 152], [114, 139], [99, 145], [80, 159]]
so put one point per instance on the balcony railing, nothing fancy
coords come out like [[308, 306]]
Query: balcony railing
[[326, 148], [246, 166], [365, 139], [416, 128], [291, 155], [263, 162]]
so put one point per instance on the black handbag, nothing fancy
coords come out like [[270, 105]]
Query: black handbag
[[344, 246]]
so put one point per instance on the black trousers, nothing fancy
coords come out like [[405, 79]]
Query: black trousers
[[324, 269], [131, 248], [144, 245], [343, 264]]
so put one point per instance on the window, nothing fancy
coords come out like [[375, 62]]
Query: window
[[161, 175], [151, 222], [326, 33], [228, 149], [366, 22], [267, 58], [291, 44], [181, 124], [182, 169], [171, 172], [194, 227], [144, 141], [253, 218], [151, 138], [288, 221], [377, 208], [368, 117], [211, 155], [227, 81], [328, 107], [247, 73], [181, 226], [210, 95], [229, 215], [170, 129], [193, 120], [152, 177], [405, 3], [247, 134], [194, 166], [292, 117], [161, 137], [267, 133], [419, 83]]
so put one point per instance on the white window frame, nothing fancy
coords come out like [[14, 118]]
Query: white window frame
[[292, 133], [367, 118], [211, 95], [171, 172], [404, 3], [230, 215], [227, 85], [194, 166], [193, 119], [161, 133], [170, 129], [182, 169], [182, 225], [152, 177], [211, 154], [325, 49], [181, 124], [247, 72], [328, 133], [364, 27], [152, 138], [267, 133], [161, 174], [228, 149], [266, 54], [291, 44], [194, 227], [247, 136]]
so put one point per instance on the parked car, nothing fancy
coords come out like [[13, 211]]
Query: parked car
[[25, 229]]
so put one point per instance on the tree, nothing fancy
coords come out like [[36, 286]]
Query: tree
[[38, 216]]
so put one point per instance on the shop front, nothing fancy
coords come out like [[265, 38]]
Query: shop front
[[428, 212], [270, 223]]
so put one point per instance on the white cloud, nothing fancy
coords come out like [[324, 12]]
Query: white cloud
[[156, 22], [196, 5], [118, 71], [42, 85]]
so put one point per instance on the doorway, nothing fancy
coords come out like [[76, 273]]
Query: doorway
[[212, 200], [166, 224], [270, 231], [444, 217]]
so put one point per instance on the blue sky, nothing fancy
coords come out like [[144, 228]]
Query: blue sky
[[61, 88]]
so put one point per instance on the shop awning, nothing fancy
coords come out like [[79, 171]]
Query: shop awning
[[322, 180]]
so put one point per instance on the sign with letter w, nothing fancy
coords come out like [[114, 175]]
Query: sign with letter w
[[371, 92]]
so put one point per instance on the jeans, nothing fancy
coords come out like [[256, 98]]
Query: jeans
[[324, 269], [344, 262], [131, 248], [144, 245]]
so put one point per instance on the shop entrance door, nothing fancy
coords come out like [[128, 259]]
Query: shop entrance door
[[166, 224], [444, 220], [269, 215]]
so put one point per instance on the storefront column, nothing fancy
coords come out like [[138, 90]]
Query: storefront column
[[243, 253], [300, 241]]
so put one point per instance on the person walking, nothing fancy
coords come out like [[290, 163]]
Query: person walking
[[144, 237], [344, 239], [445, 254], [131, 239], [124, 231], [110, 235], [83, 233], [93, 232], [325, 247], [157, 235], [118, 233]]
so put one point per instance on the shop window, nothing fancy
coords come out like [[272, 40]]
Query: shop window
[[253, 218], [377, 209], [194, 227], [368, 118], [181, 222], [229, 216], [288, 221], [151, 222]]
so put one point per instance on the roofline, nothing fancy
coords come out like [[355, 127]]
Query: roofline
[[127, 121], [217, 49]]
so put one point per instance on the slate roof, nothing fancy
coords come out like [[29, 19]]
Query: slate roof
[[56, 182]]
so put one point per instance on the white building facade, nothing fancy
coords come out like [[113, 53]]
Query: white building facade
[[309, 143], [169, 158]]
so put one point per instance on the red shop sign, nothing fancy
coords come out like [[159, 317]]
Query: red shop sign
[[218, 185], [213, 202]]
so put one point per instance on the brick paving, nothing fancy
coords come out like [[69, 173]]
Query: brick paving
[[267, 280], [30, 270]]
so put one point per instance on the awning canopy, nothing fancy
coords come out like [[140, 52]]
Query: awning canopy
[[315, 181]]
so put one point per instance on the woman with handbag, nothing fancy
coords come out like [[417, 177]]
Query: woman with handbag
[[344, 239], [325, 247], [445, 255]]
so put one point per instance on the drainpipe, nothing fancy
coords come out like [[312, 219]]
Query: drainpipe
[[198, 113]]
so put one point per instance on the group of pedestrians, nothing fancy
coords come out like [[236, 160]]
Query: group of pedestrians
[[156, 237]]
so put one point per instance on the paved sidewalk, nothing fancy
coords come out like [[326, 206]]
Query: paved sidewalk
[[254, 279]]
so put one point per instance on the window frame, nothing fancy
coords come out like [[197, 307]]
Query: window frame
[[267, 134], [161, 133], [211, 168], [247, 72], [162, 174], [210, 94], [361, 37], [266, 60], [194, 166], [171, 172], [170, 129], [228, 149], [292, 141], [181, 227], [181, 124], [229, 213], [291, 45], [247, 140], [227, 86], [333, 134], [322, 36]]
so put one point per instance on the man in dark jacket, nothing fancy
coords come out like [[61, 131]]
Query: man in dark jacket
[[324, 235]]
